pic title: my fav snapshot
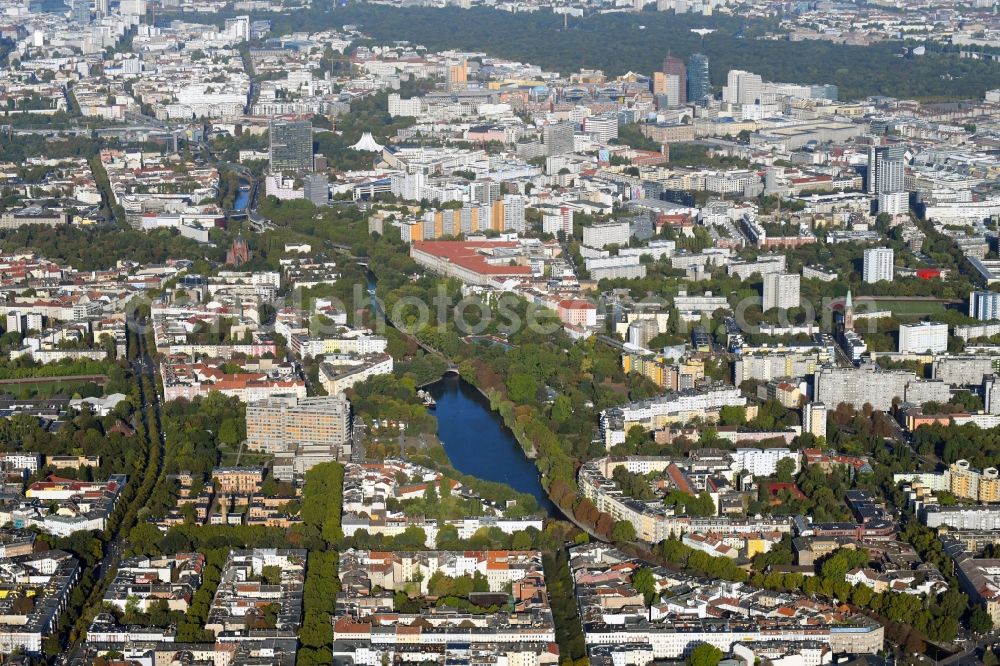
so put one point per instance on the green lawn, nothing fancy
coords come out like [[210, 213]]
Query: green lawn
[[911, 308], [42, 390]]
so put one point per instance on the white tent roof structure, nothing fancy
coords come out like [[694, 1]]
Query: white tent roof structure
[[368, 144]]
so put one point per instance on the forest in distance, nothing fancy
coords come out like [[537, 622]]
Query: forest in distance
[[621, 42]]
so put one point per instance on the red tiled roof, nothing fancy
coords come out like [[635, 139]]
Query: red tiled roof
[[678, 479], [466, 254], [576, 304]]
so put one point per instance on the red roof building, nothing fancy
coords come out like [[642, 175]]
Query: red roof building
[[472, 262], [577, 312]]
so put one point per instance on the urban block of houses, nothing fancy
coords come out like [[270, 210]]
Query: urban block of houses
[[34, 591], [63, 506], [687, 611], [368, 628], [375, 495], [259, 596]]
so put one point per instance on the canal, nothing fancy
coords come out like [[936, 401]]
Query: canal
[[474, 436], [242, 198], [478, 443]]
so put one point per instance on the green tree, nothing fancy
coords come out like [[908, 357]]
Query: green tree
[[842, 560], [623, 531], [271, 574], [861, 595], [446, 534], [732, 415], [980, 621], [229, 433], [562, 409], [645, 584], [522, 388], [635, 438], [785, 469], [412, 538], [704, 655], [144, 537], [521, 540]]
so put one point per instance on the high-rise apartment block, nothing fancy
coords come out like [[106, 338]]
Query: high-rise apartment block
[[458, 76], [603, 128], [558, 138], [316, 188], [857, 386], [276, 423], [469, 219], [984, 305], [991, 394], [560, 219], [513, 213], [659, 83], [814, 419], [878, 264], [132, 7], [781, 290], [605, 234], [485, 192], [238, 28], [80, 11], [885, 169], [922, 337]]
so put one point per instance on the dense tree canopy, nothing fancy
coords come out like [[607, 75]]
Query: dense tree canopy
[[539, 38]]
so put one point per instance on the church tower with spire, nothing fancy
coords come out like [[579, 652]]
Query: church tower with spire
[[239, 252]]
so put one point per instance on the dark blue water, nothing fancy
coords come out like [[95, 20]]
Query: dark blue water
[[477, 441], [242, 199]]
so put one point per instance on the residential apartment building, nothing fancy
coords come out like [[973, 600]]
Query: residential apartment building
[[506, 214], [984, 305], [781, 290], [337, 374], [675, 407], [814, 419], [960, 479], [144, 581], [765, 364], [556, 220], [242, 587], [986, 517], [922, 337], [878, 264], [47, 579], [605, 234], [867, 385], [429, 631], [278, 423], [238, 480], [558, 138]]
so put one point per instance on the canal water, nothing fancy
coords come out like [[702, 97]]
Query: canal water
[[242, 199], [477, 441]]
